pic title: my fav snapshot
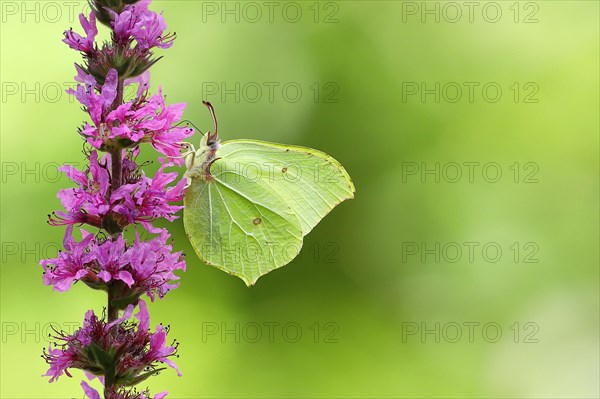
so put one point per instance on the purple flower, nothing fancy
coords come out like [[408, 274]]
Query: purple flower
[[109, 258], [89, 82], [164, 137], [61, 360], [142, 267], [86, 203], [90, 392], [157, 350], [69, 350], [146, 27], [96, 104], [150, 32], [139, 121], [148, 199], [127, 348], [139, 199], [71, 264], [79, 43], [153, 264], [142, 81]]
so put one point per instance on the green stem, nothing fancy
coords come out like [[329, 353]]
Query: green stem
[[116, 159], [116, 153], [116, 156], [113, 314], [112, 311]]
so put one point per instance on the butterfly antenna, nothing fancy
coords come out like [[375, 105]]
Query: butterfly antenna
[[212, 137]]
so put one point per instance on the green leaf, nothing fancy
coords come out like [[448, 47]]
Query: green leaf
[[104, 360], [122, 302], [134, 380]]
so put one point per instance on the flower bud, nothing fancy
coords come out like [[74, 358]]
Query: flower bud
[[128, 62], [101, 8]]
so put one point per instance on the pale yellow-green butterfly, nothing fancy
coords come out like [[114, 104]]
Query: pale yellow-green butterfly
[[249, 203]]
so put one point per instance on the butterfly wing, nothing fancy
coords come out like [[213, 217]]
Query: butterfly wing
[[310, 182], [251, 216], [245, 233]]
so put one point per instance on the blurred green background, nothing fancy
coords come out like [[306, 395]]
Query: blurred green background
[[373, 306]]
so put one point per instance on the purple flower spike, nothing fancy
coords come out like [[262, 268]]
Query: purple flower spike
[[112, 195]]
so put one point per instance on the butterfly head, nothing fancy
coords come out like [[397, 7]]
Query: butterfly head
[[198, 161]]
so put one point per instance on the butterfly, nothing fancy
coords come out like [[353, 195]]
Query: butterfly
[[249, 203]]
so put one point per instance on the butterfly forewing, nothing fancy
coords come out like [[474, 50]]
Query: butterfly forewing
[[309, 181]]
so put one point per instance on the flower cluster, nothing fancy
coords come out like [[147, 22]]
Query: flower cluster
[[136, 30], [113, 193], [139, 120], [138, 199], [137, 22], [121, 351], [129, 270]]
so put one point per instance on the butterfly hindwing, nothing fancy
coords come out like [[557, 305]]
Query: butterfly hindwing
[[246, 233]]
